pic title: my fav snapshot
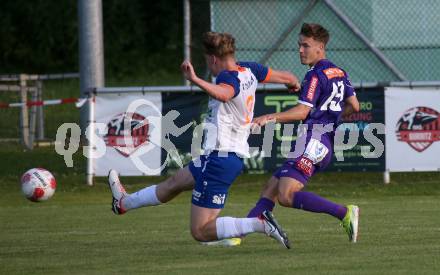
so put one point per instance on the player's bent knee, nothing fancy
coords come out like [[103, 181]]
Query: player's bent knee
[[285, 199], [286, 191], [287, 196]]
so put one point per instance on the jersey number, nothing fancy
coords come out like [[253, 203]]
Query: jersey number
[[334, 100], [249, 108]]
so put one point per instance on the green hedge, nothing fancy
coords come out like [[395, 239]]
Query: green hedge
[[42, 36]]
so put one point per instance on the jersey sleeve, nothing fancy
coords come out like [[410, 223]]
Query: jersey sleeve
[[261, 72], [310, 89], [349, 89], [229, 79]]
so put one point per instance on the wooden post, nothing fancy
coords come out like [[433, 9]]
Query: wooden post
[[40, 111], [33, 118], [24, 115]]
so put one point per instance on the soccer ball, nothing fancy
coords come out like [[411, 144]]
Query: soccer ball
[[38, 184]]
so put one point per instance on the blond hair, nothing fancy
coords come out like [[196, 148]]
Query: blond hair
[[219, 44]]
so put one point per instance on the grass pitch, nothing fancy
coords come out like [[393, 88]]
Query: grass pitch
[[76, 233]]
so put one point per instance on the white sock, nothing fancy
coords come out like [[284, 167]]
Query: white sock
[[143, 197], [229, 227]]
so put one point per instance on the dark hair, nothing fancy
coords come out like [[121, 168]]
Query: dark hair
[[219, 44], [316, 31]]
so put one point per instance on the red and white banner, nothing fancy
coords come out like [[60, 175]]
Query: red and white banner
[[137, 150], [412, 119]]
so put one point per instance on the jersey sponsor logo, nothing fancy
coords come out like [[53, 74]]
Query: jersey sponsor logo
[[419, 127], [241, 69], [115, 136], [196, 195], [315, 151], [248, 84], [219, 199], [312, 88], [333, 72], [305, 165]]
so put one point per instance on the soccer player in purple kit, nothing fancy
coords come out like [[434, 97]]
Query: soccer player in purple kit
[[326, 95]]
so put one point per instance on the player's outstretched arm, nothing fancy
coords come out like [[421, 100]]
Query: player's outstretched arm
[[219, 92], [286, 78], [299, 112]]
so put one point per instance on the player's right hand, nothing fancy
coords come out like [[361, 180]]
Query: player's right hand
[[188, 70], [293, 88]]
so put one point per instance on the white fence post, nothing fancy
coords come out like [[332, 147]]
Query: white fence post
[[90, 141], [386, 177], [24, 115]]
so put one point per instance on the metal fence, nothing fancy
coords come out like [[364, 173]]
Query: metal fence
[[374, 40]]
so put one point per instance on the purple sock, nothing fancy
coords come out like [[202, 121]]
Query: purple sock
[[262, 205], [311, 202]]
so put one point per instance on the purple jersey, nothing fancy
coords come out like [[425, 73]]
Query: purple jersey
[[324, 88]]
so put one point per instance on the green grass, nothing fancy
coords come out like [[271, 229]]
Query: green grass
[[76, 233]]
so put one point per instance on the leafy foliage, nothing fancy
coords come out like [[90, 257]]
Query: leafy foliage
[[42, 36]]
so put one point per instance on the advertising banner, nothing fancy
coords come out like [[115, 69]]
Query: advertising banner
[[191, 110], [270, 146], [355, 158], [371, 114], [129, 134], [278, 137], [412, 121], [161, 132]]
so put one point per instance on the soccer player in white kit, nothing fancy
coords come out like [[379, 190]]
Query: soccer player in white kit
[[227, 127]]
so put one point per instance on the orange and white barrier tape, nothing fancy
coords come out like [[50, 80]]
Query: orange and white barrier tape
[[78, 102]]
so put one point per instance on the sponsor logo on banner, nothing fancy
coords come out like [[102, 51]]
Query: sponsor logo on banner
[[115, 133], [419, 127]]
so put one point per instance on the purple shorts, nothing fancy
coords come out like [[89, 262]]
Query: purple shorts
[[313, 155]]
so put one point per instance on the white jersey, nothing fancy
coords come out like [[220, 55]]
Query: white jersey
[[227, 125]]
